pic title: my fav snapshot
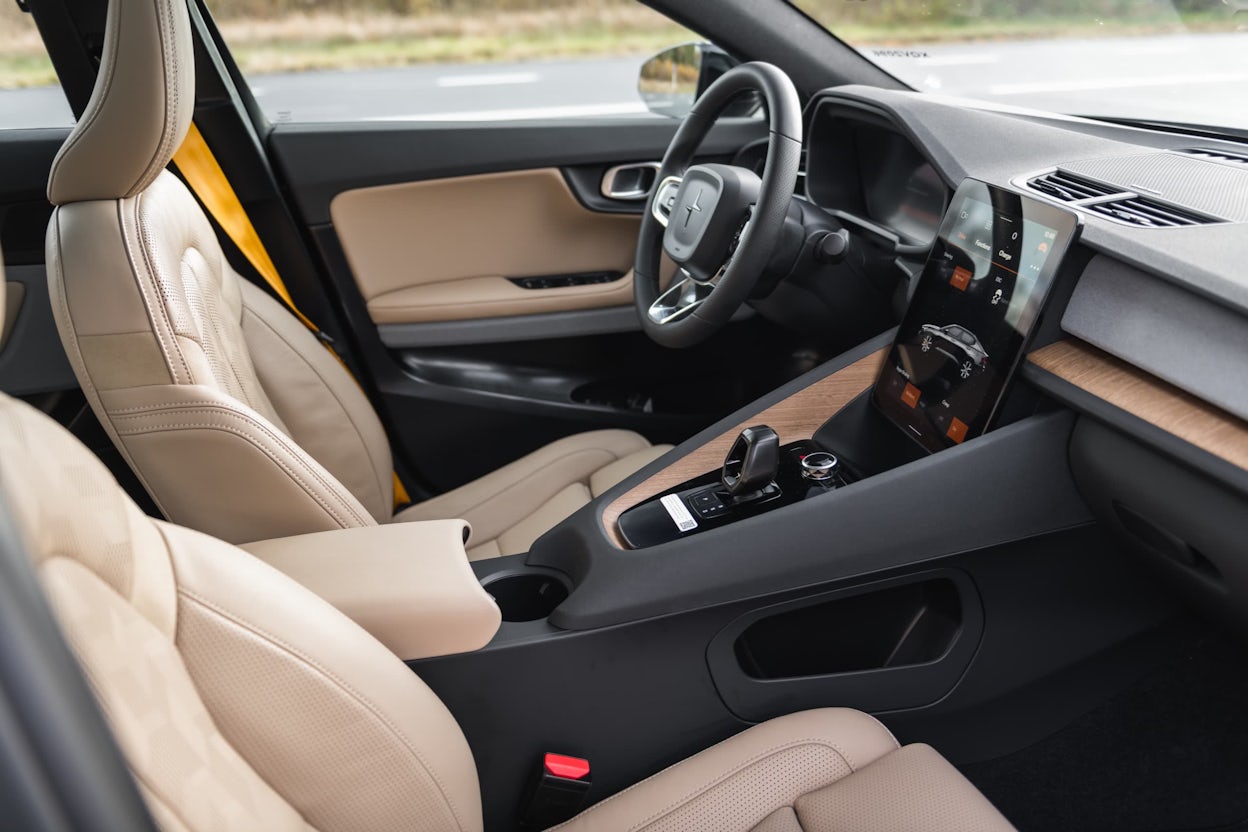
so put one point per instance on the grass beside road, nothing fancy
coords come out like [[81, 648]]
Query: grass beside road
[[328, 41], [336, 40]]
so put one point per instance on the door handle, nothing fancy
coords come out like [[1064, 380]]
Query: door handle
[[630, 182]]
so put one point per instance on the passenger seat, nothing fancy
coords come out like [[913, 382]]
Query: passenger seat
[[242, 701], [234, 417]]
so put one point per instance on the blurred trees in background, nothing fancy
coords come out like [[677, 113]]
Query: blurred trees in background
[[868, 12], [955, 12]]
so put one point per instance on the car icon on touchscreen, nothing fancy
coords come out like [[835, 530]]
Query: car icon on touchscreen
[[958, 344]]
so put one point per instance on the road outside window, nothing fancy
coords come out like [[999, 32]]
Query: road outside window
[[444, 60], [1182, 61], [29, 93]]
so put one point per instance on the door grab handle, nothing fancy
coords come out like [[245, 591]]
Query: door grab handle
[[630, 182]]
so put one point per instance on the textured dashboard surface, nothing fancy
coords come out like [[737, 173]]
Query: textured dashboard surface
[[1176, 336], [1211, 187], [964, 137], [1170, 301]]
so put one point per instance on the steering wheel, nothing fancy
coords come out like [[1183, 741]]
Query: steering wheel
[[719, 223]]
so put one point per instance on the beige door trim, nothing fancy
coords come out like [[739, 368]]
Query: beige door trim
[[442, 249]]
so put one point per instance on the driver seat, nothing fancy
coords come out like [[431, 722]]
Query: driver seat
[[233, 416]]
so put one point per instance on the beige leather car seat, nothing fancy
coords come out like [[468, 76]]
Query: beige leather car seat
[[244, 702], [232, 415]]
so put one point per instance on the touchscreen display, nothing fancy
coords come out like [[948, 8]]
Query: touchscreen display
[[976, 302]]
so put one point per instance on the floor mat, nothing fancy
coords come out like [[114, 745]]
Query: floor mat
[[1169, 753]]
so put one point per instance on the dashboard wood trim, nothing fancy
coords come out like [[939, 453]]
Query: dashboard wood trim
[[1146, 397], [797, 417]]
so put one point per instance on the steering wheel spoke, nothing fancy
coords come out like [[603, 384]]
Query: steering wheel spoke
[[681, 298], [665, 199]]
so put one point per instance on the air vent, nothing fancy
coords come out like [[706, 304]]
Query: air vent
[[1146, 213], [1229, 157], [1068, 188]]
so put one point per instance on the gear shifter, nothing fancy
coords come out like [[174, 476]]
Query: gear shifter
[[752, 463]]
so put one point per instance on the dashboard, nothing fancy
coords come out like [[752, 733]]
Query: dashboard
[[1145, 332], [871, 175]]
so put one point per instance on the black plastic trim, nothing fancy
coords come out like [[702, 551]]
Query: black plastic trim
[[884, 688], [517, 328], [1016, 477]]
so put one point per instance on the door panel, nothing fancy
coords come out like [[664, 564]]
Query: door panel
[[321, 161], [31, 357], [421, 226], [447, 249]]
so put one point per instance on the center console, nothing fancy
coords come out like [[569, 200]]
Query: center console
[[940, 382], [810, 551]]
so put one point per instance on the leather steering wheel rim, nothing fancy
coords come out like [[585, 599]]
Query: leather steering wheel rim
[[732, 286]]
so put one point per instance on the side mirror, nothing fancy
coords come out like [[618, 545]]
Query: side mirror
[[673, 79]]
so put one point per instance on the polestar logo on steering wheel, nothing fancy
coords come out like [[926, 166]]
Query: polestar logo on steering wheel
[[691, 207]]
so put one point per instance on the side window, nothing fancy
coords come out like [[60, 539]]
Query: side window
[[30, 95], [444, 60]]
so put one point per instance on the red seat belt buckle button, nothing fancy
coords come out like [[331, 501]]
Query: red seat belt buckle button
[[570, 768], [557, 793]]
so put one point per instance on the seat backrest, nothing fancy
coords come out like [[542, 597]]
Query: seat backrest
[[230, 412], [240, 699]]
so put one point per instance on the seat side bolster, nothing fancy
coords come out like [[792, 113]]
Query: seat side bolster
[[503, 498], [737, 784], [223, 468], [321, 405], [323, 711], [909, 790]]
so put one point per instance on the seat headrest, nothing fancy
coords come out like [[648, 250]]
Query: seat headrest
[[140, 108]]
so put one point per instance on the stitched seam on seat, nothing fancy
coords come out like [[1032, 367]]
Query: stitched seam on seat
[[381, 491], [151, 428], [691, 795], [166, 30], [521, 482], [156, 428], [152, 285], [73, 352], [889, 733], [211, 335], [342, 685]]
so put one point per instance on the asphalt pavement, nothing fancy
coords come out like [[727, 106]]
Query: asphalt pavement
[[1197, 78]]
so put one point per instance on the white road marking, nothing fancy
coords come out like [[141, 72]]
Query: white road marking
[[622, 108], [497, 79], [1118, 83], [964, 59], [1153, 49]]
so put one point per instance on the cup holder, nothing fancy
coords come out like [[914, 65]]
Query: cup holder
[[526, 596]]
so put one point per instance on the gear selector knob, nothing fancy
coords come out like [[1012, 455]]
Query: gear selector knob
[[752, 462]]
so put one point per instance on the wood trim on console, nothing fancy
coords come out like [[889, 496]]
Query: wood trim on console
[[1147, 397], [797, 417]]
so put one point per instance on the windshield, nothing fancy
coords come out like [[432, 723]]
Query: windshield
[[1184, 61]]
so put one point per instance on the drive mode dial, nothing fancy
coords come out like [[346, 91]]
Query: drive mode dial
[[819, 466]]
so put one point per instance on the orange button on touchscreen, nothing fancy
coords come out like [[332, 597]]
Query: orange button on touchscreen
[[961, 278], [910, 396]]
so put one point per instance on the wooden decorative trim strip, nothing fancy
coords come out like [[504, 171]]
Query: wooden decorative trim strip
[[797, 417], [1147, 397]]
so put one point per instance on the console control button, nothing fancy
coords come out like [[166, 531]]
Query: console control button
[[820, 466], [707, 504]]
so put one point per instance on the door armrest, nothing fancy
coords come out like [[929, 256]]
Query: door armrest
[[408, 584]]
